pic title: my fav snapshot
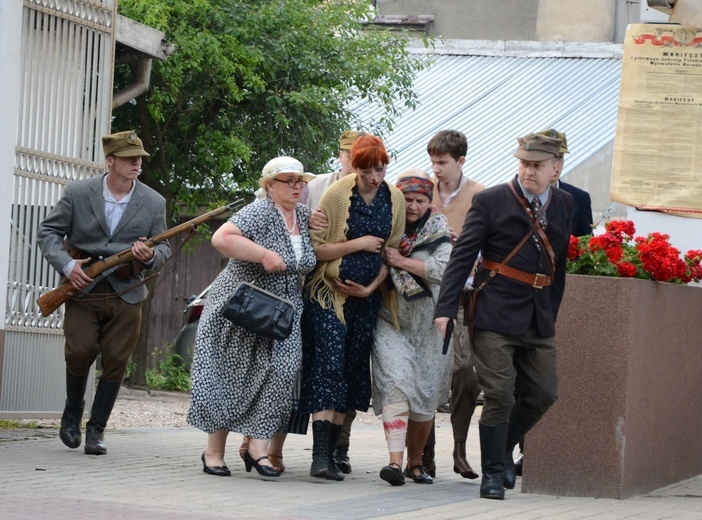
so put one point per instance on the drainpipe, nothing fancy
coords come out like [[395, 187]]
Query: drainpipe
[[140, 85]]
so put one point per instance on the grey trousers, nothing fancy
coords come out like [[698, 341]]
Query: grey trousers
[[527, 364]]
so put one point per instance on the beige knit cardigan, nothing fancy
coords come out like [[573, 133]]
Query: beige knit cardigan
[[335, 204]]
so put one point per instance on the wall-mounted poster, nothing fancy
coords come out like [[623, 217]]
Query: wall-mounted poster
[[658, 144]]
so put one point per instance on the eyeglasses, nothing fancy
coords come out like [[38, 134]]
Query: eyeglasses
[[293, 182]]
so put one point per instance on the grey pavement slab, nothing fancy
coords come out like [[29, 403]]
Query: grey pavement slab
[[157, 474]]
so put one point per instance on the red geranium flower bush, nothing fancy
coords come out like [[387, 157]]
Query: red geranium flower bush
[[618, 252]]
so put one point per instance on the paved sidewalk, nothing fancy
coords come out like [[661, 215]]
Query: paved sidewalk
[[156, 474]]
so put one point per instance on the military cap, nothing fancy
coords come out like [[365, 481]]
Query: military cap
[[347, 139], [123, 144], [559, 135], [537, 147]]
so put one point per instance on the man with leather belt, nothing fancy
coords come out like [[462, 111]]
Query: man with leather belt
[[521, 229], [102, 216]]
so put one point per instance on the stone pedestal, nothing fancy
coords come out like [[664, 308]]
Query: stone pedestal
[[628, 419]]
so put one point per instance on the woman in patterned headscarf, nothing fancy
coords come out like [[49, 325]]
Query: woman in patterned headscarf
[[410, 376]]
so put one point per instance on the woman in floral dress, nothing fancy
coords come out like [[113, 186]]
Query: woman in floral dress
[[244, 382], [364, 215]]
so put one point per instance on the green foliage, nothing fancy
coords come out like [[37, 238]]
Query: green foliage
[[12, 424], [251, 80], [170, 375], [130, 370]]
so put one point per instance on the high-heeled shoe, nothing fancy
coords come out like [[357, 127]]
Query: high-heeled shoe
[[219, 471], [265, 471]]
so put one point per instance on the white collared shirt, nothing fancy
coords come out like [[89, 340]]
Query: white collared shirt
[[114, 209], [113, 213], [464, 179]]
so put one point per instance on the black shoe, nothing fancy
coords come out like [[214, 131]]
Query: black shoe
[[341, 457], [218, 471], [392, 474], [460, 463], [421, 478], [94, 440], [266, 471]]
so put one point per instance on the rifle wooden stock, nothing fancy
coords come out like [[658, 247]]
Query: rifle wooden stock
[[52, 300]]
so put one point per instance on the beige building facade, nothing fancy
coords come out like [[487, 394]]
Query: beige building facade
[[539, 20]]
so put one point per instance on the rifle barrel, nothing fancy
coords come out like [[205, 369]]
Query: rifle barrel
[[52, 300]]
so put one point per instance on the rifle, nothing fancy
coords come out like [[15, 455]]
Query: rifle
[[52, 300]]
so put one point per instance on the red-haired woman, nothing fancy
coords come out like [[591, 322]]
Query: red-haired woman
[[364, 215]]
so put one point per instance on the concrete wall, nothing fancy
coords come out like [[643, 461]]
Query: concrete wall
[[471, 19], [542, 20], [576, 20]]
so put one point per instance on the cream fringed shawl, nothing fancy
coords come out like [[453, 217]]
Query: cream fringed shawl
[[335, 204]]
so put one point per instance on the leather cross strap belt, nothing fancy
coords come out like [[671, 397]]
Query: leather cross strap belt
[[536, 280]]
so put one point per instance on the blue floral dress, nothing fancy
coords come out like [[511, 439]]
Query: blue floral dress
[[336, 362], [243, 382]]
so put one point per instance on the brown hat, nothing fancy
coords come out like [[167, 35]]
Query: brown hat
[[123, 144], [559, 135], [347, 139], [537, 147]]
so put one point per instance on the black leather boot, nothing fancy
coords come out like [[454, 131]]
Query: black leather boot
[[341, 457], [73, 411], [341, 454], [520, 422], [334, 472], [320, 449], [492, 454], [105, 398]]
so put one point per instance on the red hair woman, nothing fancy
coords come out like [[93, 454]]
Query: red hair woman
[[364, 214]]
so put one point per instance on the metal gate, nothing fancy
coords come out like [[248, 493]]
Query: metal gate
[[65, 94]]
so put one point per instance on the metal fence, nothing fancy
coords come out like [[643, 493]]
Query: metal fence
[[67, 49]]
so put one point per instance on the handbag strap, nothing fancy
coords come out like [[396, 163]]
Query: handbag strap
[[536, 226], [287, 286]]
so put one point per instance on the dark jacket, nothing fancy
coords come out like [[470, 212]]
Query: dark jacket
[[494, 225], [582, 210]]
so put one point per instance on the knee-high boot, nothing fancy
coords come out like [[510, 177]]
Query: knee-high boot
[[105, 398], [520, 422], [334, 472], [73, 410], [492, 454], [320, 449]]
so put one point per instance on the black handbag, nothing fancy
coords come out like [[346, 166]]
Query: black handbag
[[260, 311]]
